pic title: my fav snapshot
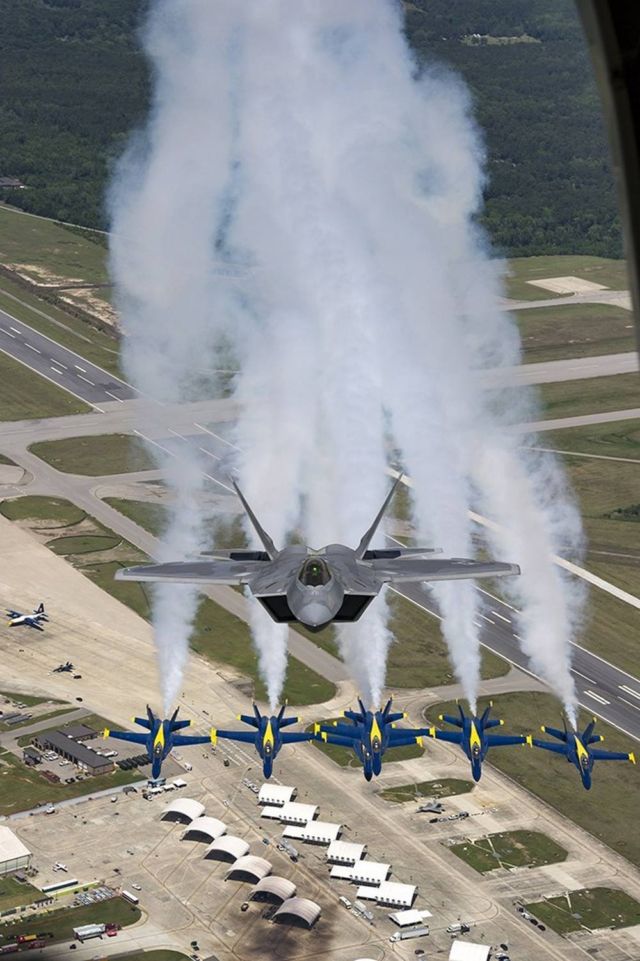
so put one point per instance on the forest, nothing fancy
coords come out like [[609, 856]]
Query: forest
[[73, 85]]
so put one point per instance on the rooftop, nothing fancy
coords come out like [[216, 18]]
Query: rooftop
[[11, 847]]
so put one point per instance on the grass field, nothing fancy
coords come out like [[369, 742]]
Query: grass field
[[44, 244], [29, 699], [443, 788], [96, 455], [217, 635], [14, 893], [39, 717], [22, 787], [345, 756], [60, 923], [599, 270], [510, 849], [618, 439], [574, 330], [616, 785], [590, 908], [24, 395], [149, 515], [94, 345], [590, 396]]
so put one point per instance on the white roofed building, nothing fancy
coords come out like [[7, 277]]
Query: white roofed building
[[271, 811], [249, 868], [399, 895], [345, 852], [227, 848], [14, 855], [315, 832], [404, 918], [293, 812], [369, 872], [204, 829], [273, 888], [299, 911], [466, 951], [182, 809], [277, 794]]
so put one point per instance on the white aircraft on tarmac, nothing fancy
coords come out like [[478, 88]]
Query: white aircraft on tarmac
[[17, 619]]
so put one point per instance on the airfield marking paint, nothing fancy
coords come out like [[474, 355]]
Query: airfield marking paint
[[217, 436], [56, 371], [58, 363], [419, 606], [80, 368], [154, 442], [501, 616], [205, 451], [216, 481], [634, 706], [41, 373], [86, 379], [577, 453], [596, 697], [484, 617], [8, 333], [590, 680], [498, 599], [15, 330], [629, 690], [31, 347], [119, 399]]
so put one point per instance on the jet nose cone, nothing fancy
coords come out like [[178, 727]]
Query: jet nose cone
[[316, 614]]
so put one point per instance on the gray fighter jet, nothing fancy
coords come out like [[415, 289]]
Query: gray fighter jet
[[316, 587]]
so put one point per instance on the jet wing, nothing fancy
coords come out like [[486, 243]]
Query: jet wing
[[550, 746], [247, 737], [182, 739], [295, 737], [496, 740], [31, 623], [127, 736], [197, 572], [447, 569]]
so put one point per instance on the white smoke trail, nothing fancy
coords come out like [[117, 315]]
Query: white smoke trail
[[317, 151]]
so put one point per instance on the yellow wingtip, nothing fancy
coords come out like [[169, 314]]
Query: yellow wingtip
[[106, 732], [501, 723], [238, 717], [316, 728], [419, 741], [632, 757], [214, 736], [543, 729], [432, 732], [324, 735], [441, 717], [405, 715], [529, 740]]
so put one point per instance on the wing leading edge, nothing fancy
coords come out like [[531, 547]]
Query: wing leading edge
[[447, 569], [198, 572]]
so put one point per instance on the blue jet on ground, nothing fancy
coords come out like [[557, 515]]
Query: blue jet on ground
[[369, 734], [161, 737], [576, 748], [472, 736], [268, 736], [18, 619]]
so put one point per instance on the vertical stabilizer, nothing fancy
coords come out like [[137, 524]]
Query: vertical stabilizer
[[265, 540], [366, 540]]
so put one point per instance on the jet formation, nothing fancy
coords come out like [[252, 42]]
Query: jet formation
[[34, 620], [317, 587]]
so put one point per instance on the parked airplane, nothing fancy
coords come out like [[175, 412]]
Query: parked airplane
[[576, 748], [17, 619], [268, 736], [61, 668], [472, 736], [161, 738], [316, 587], [369, 734]]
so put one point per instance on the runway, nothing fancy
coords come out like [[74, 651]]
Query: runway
[[61, 366]]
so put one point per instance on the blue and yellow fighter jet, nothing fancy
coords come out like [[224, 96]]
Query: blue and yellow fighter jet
[[577, 749], [369, 734], [472, 736], [161, 738], [268, 736]]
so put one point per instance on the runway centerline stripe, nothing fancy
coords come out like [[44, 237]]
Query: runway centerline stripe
[[589, 680], [629, 690], [217, 436], [597, 697], [15, 330], [59, 363], [634, 706], [86, 379], [119, 399], [205, 451], [31, 347], [501, 616], [154, 442], [8, 333], [83, 369]]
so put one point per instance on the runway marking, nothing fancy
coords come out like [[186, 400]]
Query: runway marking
[[216, 481], [629, 690], [484, 616], [8, 333], [15, 330], [119, 399], [56, 371], [501, 616], [605, 661], [63, 386], [54, 361], [83, 369], [634, 706], [154, 442], [31, 347], [596, 697], [80, 376], [580, 674], [517, 636], [499, 599], [217, 436], [176, 434], [577, 453], [205, 451]]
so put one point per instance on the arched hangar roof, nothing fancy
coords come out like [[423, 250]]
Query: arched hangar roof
[[227, 848], [182, 809], [298, 909], [211, 828], [277, 887], [249, 867]]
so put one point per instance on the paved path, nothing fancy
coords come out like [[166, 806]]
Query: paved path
[[556, 371], [617, 298]]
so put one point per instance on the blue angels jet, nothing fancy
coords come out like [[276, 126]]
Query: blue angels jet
[[369, 734], [160, 739], [577, 749], [268, 736], [18, 619], [472, 736]]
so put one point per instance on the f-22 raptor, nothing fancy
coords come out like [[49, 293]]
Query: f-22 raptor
[[160, 738], [317, 587]]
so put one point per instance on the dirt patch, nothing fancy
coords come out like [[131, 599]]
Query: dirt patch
[[567, 285]]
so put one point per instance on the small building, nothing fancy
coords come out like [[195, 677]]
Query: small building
[[299, 911], [11, 183], [277, 794], [79, 732], [274, 889], [31, 755], [293, 812], [466, 951], [345, 852], [183, 809], [396, 895], [271, 812], [227, 848], [405, 918], [249, 868], [315, 832], [205, 829], [83, 757], [370, 872], [14, 855]]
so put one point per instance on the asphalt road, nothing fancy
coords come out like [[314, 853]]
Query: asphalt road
[[554, 371], [60, 365], [603, 689]]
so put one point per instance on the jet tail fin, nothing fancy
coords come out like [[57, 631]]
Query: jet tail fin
[[368, 536], [265, 540]]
